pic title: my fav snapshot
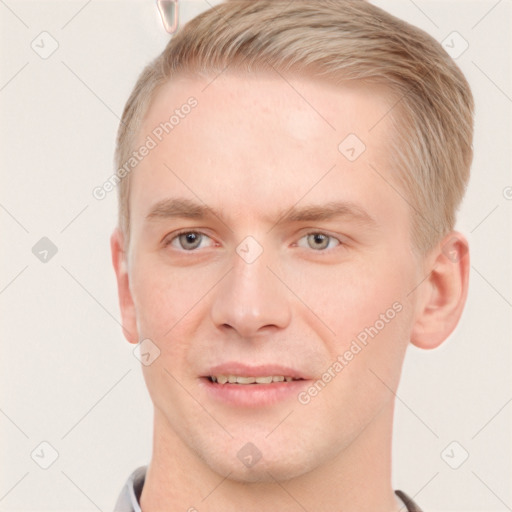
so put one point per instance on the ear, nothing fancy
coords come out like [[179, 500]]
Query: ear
[[119, 260], [443, 293]]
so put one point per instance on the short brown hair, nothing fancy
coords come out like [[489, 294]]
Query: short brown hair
[[336, 41]]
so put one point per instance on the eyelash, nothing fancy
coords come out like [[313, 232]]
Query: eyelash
[[340, 244]]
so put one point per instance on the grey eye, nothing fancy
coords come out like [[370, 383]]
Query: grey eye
[[318, 241], [191, 240]]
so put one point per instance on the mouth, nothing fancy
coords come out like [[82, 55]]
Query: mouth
[[253, 386], [244, 381]]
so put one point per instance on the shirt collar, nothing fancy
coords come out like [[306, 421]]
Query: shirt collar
[[129, 498]]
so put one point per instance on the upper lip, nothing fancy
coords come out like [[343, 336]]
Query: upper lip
[[261, 370]]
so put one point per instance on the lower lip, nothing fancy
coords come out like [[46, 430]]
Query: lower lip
[[253, 395]]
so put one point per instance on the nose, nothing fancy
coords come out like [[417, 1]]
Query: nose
[[251, 300]]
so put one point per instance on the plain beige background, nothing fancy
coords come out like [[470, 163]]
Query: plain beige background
[[68, 377]]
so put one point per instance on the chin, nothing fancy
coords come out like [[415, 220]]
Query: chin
[[265, 472], [274, 465]]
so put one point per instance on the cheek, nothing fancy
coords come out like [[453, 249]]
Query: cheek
[[375, 302], [372, 325], [353, 295], [168, 300], [153, 292]]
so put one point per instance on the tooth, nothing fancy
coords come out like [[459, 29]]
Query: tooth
[[263, 380], [245, 380], [233, 379]]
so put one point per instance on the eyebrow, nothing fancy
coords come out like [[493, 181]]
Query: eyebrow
[[189, 209], [179, 207], [328, 211]]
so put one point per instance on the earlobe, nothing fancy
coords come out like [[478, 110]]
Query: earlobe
[[442, 295], [126, 304]]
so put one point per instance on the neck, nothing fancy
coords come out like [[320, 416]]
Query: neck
[[357, 479]]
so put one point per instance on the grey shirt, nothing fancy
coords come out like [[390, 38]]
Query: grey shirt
[[128, 500]]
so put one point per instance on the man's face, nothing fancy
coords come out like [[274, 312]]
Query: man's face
[[328, 256]]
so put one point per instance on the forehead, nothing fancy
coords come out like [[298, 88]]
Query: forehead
[[253, 141], [300, 107]]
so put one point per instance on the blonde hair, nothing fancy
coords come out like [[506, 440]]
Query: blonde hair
[[336, 41]]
